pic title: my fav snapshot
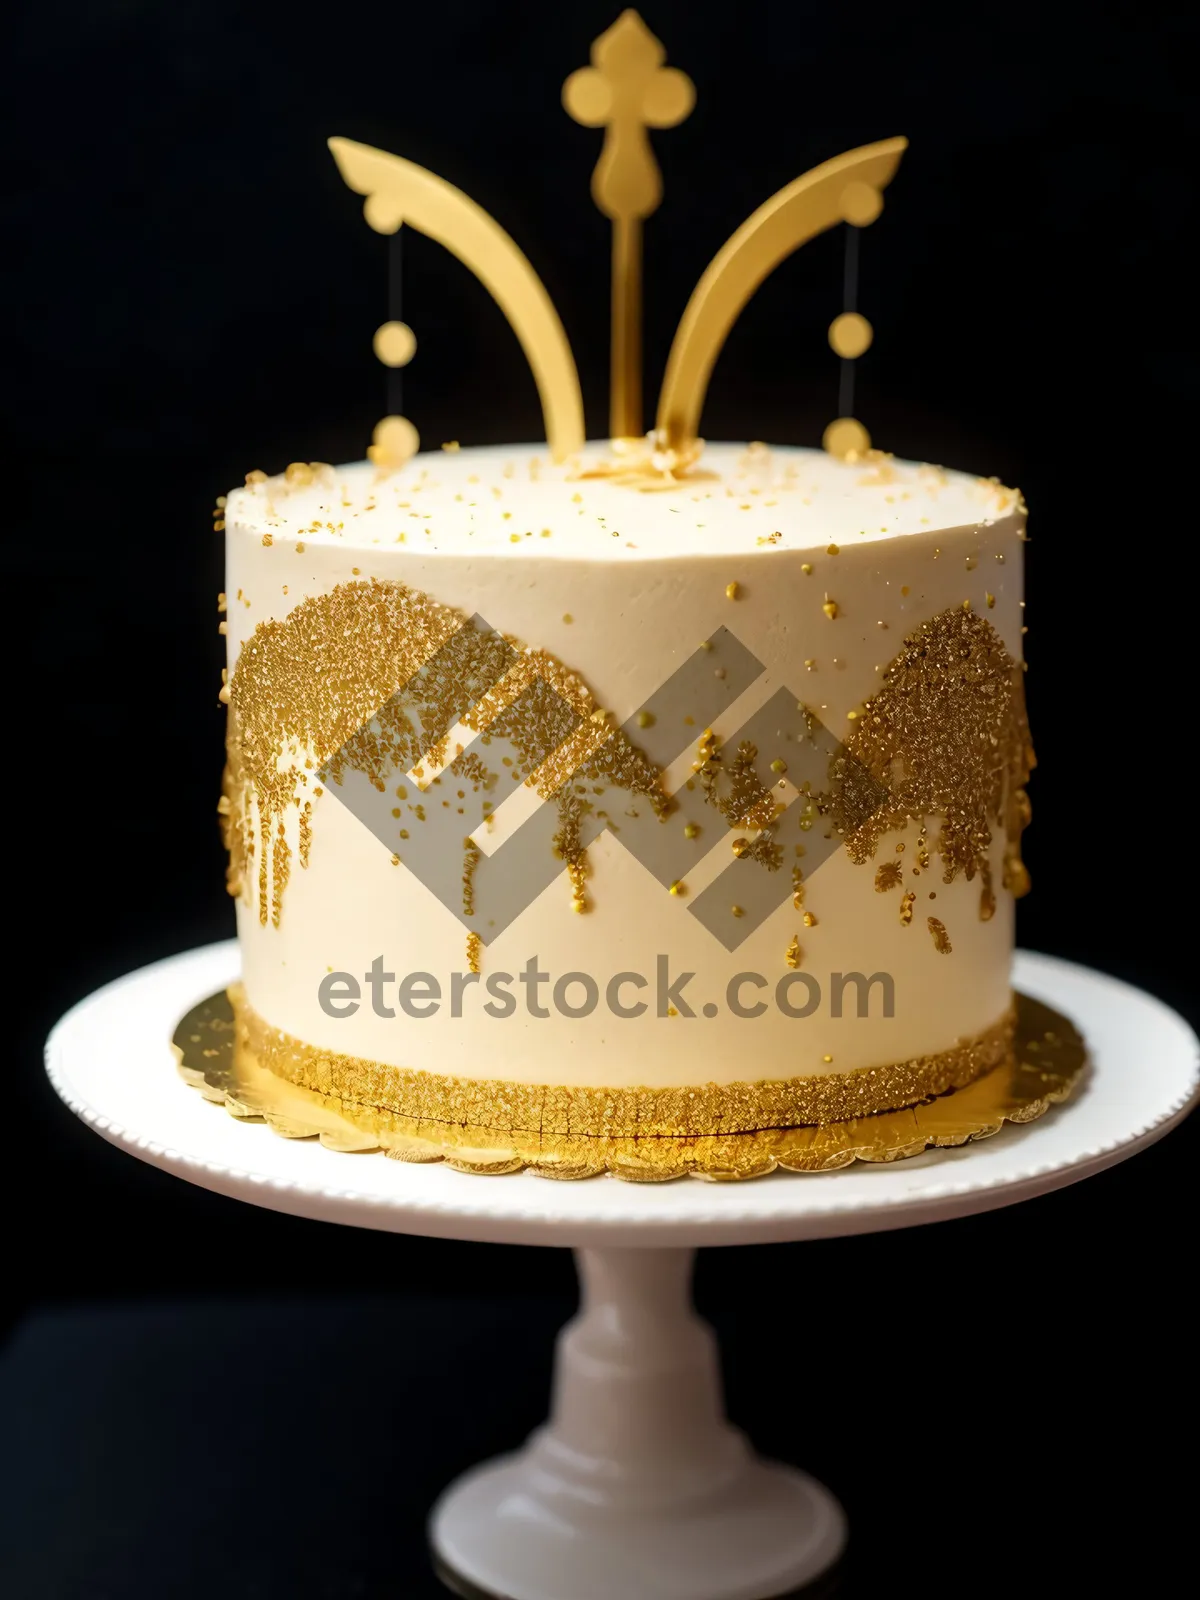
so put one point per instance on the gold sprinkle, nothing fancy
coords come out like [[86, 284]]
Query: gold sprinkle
[[732, 591], [300, 549], [830, 608], [778, 766], [987, 900], [567, 617], [827, 1058], [889, 876], [691, 830], [740, 847], [256, 476], [809, 920], [904, 589], [966, 605], [806, 568], [906, 907], [268, 539], [991, 601], [794, 954], [298, 474], [737, 911], [941, 939], [833, 550], [450, 446], [678, 888]]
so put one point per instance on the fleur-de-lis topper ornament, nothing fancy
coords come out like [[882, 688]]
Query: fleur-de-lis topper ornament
[[626, 90]]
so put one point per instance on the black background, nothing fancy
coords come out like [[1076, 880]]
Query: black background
[[191, 293]]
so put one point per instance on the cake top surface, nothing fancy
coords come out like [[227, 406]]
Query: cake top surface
[[512, 498]]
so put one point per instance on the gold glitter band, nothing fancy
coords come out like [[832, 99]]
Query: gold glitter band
[[1048, 1060], [698, 1110]]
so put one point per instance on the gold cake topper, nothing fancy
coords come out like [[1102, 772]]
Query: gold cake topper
[[627, 90]]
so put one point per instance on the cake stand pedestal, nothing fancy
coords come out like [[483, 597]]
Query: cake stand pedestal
[[637, 1488]]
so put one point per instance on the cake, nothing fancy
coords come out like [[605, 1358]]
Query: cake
[[515, 749], [635, 790]]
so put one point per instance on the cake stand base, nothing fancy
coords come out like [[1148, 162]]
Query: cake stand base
[[637, 1486]]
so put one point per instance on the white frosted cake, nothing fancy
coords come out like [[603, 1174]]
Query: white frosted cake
[[555, 805]]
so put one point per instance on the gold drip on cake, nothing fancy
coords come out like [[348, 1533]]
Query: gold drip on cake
[[945, 737], [319, 690]]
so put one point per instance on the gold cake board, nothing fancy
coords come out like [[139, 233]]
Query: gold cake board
[[1049, 1060]]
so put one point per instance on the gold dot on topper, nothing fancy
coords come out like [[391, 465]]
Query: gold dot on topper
[[850, 335], [846, 438], [396, 344], [860, 203], [394, 442], [383, 212]]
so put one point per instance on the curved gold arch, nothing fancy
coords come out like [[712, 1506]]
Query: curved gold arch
[[398, 191], [781, 225]]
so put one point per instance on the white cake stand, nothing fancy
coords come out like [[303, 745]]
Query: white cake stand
[[637, 1488]]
